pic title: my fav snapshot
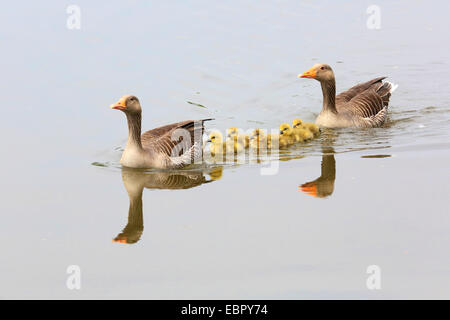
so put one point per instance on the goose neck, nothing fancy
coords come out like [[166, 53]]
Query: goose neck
[[329, 95]]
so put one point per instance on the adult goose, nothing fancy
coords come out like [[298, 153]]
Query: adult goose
[[172, 146], [364, 105]]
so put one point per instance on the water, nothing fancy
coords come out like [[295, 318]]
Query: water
[[222, 231]]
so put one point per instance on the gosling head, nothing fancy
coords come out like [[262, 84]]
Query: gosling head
[[128, 104], [296, 123], [320, 72], [215, 137], [285, 129], [257, 133], [232, 132]]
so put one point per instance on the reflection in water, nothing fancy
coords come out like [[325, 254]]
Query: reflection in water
[[136, 180], [323, 186], [376, 156]]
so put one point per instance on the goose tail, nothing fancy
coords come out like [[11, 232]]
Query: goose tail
[[393, 86]]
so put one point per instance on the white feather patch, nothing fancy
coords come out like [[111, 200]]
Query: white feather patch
[[393, 86]]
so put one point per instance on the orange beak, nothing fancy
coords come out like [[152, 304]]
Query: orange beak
[[120, 240], [311, 73], [309, 188], [119, 105]]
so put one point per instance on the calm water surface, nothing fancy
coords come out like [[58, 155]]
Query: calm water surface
[[222, 230]]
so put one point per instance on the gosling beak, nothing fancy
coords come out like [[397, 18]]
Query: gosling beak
[[311, 74], [119, 105], [209, 140], [281, 131]]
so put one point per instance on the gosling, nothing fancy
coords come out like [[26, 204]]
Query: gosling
[[258, 139], [233, 133], [287, 137], [217, 145], [315, 130], [301, 134]]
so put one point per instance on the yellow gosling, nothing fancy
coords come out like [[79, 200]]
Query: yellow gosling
[[301, 133], [286, 135], [233, 133], [233, 146], [313, 128], [271, 139], [258, 139], [217, 145]]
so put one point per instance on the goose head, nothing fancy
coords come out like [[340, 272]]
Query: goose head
[[285, 129], [297, 123], [128, 104], [320, 72]]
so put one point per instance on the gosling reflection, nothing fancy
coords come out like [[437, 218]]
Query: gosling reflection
[[323, 186], [135, 181]]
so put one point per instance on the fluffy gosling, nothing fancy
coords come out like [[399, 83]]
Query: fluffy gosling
[[233, 133], [313, 128], [217, 145], [258, 139], [286, 135], [301, 134], [271, 138]]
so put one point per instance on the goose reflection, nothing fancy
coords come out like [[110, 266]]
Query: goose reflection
[[323, 186], [135, 181]]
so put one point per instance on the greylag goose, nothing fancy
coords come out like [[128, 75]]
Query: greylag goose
[[172, 146], [364, 105]]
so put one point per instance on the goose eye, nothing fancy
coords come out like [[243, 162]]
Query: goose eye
[[322, 68]]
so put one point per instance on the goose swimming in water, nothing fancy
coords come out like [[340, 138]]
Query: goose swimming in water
[[364, 105], [172, 146]]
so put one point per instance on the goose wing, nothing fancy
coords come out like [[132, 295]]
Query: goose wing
[[349, 94], [175, 140], [368, 101]]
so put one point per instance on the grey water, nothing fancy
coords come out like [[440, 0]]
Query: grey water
[[347, 200]]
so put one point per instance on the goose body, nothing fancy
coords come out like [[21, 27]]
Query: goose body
[[172, 146], [364, 105]]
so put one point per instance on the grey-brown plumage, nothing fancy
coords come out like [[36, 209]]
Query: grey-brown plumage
[[364, 105], [172, 146]]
